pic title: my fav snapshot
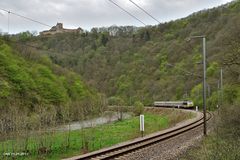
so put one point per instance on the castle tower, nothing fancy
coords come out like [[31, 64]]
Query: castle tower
[[59, 26]]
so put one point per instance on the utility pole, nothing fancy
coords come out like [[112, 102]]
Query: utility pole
[[220, 100], [204, 85], [221, 85], [204, 82], [218, 93]]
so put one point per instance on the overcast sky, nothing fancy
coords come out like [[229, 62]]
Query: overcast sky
[[94, 13]]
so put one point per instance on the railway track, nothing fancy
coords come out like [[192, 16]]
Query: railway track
[[124, 149]]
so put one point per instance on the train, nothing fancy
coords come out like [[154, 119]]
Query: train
[[175, 104]]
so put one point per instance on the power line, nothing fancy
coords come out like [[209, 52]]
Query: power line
[[127, 12], [30, 19], [183, 70], [144, 11]]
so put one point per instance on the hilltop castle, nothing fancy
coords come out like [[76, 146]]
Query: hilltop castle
[[59, 29]]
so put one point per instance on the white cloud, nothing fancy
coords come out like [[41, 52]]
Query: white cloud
[[96, 13], [2, 13]]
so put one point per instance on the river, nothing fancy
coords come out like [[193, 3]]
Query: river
[[106, 118]]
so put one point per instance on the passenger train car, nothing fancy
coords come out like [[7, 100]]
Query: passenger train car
[[178, 104]]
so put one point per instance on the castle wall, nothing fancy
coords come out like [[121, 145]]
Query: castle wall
[[59, 29]]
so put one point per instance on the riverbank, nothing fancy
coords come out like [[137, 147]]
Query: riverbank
[[56, 145]]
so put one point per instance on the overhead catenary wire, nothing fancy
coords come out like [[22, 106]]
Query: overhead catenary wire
[[145, 11], [127, 12], [185, 71], [19, 15]]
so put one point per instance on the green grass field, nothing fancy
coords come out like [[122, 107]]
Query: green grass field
[[66, 144]]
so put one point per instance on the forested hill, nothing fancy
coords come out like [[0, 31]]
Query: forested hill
[[130, 64], [34, 90]]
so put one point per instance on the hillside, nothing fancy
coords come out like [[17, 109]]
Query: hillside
[[50, 81], [131, 63], [35, 92]]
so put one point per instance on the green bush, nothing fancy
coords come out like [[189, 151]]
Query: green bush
[[196, 95], [223, 142], [231, 94], [5, 89], [138, 108], [212, 69]]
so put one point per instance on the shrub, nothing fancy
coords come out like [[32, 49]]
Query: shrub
[[115, 101], [138, 108]]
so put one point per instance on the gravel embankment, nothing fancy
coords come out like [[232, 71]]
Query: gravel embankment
[[169, 149]]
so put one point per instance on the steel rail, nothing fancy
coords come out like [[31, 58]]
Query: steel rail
[[149, 142], [117, 151]]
